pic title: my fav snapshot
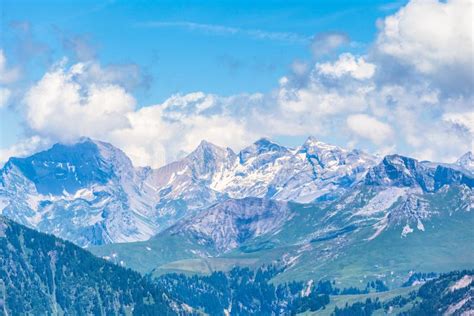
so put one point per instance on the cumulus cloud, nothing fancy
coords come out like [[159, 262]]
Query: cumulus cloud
[[319, 100], [299, 67], [347, 64], [463, 121], [434, 37], [64, 107], [370, 128], [72, 101], [164, 132], [343, 98], [4, 96]]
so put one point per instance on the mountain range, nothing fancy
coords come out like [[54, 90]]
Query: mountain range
[[267, 204], [91, 194]]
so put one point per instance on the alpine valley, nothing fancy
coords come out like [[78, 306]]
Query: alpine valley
[[319, 227]]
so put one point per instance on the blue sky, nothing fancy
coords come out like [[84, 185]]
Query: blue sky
[[182, 59], [223, 48]]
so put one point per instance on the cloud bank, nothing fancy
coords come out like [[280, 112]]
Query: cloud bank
[[394, 98]]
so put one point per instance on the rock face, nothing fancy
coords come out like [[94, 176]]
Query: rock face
[[91, 194], [399, 171], [227, 225]]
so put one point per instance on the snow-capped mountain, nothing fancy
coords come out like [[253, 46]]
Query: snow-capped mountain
[[466, 161], [87, 192], [183, 186], [91, 194], [312, 171], [264, 169]]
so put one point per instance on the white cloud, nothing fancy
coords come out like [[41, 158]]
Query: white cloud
[[341, 99], [370, 128], [435, 38], [61, 106], [7, 77], [162, 133], [347, 64], [464, 120], [70, 102], [299, 67]]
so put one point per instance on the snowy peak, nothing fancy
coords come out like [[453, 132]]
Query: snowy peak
[[322, 154], [327, 156], [207, 159], [209, 150], [446, 175], [206, 148], [466, 161], [313, 142], [316, 169], [400, 171], [262, 147], [68, 168], [87, 192]]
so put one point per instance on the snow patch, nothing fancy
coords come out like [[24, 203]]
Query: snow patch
[[406, 230], [462, 283], [454, 307], [420, 226], [380, 227], [382, 201], [307, 291]]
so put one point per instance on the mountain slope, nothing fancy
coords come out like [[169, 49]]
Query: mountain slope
[[41, 274], [449, 294], [215, 230]]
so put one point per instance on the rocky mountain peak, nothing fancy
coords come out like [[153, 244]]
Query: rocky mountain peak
[[262, 147], [399, 170], [323, 155], [206, 150], [466, 161], [70, 167]]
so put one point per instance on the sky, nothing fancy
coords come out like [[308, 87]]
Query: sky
[[156, 77]]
